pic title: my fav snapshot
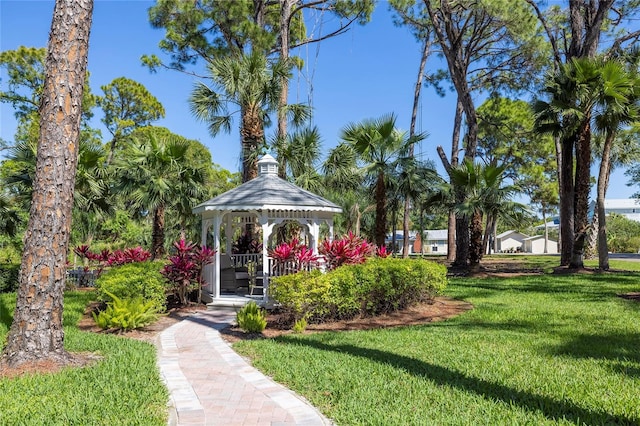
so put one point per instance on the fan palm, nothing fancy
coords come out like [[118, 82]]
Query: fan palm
[[153, 174], [379, 144], [617, 107], [250, 85], [574, 90], [486, 194]]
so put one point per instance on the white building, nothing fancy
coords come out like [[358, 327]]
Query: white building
[[627, 207], [535, 245], [510, 241]]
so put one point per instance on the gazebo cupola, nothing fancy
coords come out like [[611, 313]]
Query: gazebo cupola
[[267, 202]]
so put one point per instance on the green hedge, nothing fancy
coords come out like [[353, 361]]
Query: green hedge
[[139, 279], [9, 277], [375, 287]]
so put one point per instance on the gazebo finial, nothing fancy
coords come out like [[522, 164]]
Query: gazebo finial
[[267, 165]]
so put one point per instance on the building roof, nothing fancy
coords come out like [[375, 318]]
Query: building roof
[[268, 192], [538, 237], [507, 233], [621, 203], [436, 234]]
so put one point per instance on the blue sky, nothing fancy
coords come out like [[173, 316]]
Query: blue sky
[[368, 72]]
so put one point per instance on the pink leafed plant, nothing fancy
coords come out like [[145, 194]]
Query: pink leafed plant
[[348, 250], [184, 270]]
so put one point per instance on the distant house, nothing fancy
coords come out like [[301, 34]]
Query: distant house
[[535, 245], [510, 241], [627, 207], [435, 242]]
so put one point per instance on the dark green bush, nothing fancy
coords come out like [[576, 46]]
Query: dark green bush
[[140, 279], [375, 287], [9, 277]]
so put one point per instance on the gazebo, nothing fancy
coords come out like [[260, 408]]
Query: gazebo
[[264, 203]]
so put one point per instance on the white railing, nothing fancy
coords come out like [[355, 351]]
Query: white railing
[[241, 260]]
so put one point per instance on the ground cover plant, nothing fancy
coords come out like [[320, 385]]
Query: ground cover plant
[[536, 349], [122, 387]]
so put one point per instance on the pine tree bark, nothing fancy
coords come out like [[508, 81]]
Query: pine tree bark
[[36, 333]]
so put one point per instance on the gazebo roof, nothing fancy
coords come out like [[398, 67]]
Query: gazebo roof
[[267, 192]]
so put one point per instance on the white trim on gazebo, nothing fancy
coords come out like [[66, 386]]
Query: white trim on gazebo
[[270, 201]]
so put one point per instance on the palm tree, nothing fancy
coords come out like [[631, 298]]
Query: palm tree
[[379, 144], [298, 158], [249, 84], [485, 195], [618, 105], [574, 91], [414, 179], [154, 174]]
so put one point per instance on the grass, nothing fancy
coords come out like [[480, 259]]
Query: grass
[[544, 349], [124, 388]]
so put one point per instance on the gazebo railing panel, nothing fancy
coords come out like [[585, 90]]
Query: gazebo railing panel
[[241, 260], [284, 268]]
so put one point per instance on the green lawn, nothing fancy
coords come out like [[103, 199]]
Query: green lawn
[[122, 389], [541, 349], [535, 350]]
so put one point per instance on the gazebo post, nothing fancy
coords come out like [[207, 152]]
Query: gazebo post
[[217, 220], [266, 234], [315, 234], [228, 232]]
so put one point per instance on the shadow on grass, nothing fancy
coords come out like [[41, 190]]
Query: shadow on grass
[[610, 346], [589, 287], [553, 409]]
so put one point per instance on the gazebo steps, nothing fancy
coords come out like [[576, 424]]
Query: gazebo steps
[[232, 303]]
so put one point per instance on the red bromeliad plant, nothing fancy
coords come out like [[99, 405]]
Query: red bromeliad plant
[[184, 270], [107, 258], [292, 257], [348, 250]]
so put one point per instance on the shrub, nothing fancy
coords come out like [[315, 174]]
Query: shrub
[[251, 318], [9, 277], [126, 314], [292, 257], [376, 287], [300, 326], [184, 270], [348, 250], [142, 279]]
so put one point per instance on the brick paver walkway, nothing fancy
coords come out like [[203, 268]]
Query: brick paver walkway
[[212, 385]]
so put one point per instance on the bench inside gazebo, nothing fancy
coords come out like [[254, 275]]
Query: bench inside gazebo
[[258, 207]]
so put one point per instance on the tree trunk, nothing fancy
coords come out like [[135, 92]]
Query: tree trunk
[[285, 18], [451, 237], [591, 244], [475, 250], [581, 194], [381, 211], [603, 184], [566, 201], [157, 235], [412, 131], [252, 135], [36, 332]]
